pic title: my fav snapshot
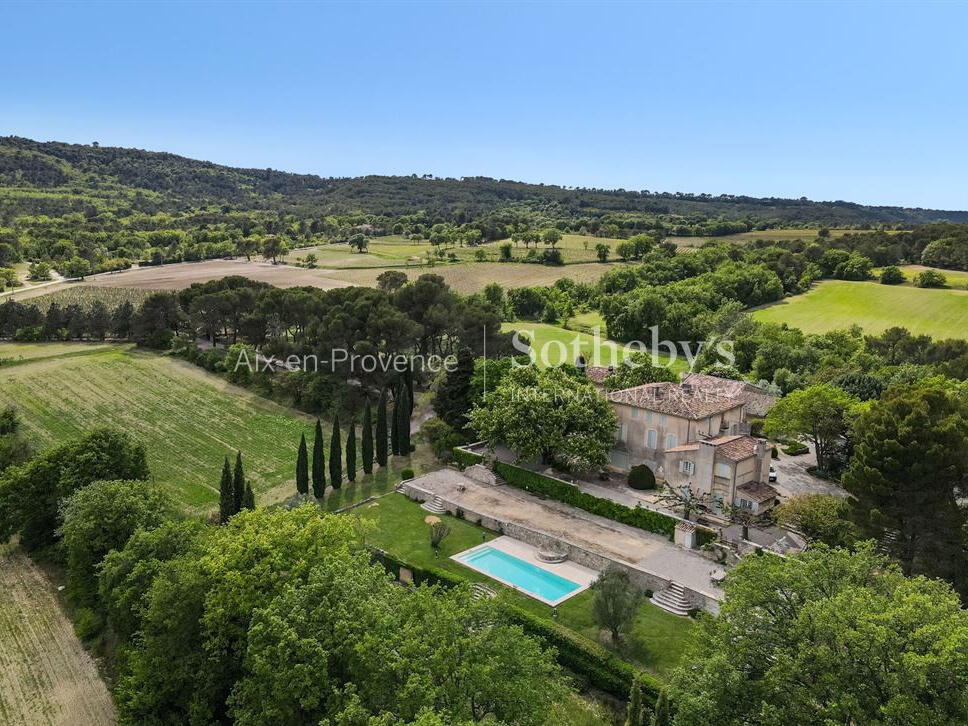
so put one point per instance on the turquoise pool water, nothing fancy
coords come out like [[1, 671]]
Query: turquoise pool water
[[523, 575]]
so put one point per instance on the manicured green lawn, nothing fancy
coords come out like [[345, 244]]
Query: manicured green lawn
[[838, 304], [657, 639], [555, 345]]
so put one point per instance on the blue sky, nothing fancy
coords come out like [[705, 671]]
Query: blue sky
[[864, 102]]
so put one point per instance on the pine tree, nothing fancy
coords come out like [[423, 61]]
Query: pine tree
[[395, 423], [302, 467], [403, 424], [226, 496], [367, 443], [662, 715], [238, 482], [248, 499], [453, 398], [351, 452], [335, 456], [319, 463], [381, 429]]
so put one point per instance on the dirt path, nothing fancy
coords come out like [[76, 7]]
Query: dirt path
[[46, 676]]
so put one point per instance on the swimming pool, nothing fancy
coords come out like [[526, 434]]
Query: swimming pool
[[535, 581]]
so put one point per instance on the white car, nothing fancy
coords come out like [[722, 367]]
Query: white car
[[772, 473]]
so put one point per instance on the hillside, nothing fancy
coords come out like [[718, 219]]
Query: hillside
[[55, 178]]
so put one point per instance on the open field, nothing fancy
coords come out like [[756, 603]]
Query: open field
[[189, 420], [18, 353], [555, 345], [473, 277], [657, 640], [73, 293], [955, 278], [176, 277], [46, 676], [770, 234], [838, 304]]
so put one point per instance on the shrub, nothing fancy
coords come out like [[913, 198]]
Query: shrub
[[466, 458], [930, 278], [641, 477], [406, 474], [892, 275], [796, 449], [87, 624], [774, 454]]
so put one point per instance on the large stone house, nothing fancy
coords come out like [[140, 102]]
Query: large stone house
[[693, 438]]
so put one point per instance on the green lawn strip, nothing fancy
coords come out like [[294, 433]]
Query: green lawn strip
[[657, 639], [561, 345], [832, 304]]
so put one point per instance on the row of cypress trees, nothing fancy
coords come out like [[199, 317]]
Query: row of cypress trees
[[235, 493], [374, 447]]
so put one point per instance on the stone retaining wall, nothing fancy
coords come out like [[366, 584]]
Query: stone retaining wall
[[642, 578]]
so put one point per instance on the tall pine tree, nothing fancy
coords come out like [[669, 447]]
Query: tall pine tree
[[351, 452], [403, 424], [248, 499], [367, 443], [238, 482], [302, 467], [335, 456], [453, 398], [395, 423], [319, 463], [226, 496], [381, 429]]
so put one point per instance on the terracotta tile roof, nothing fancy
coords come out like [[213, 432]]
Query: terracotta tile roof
[[758, 402], [757, 491], [735, 448], [675, 400], [598, 374]]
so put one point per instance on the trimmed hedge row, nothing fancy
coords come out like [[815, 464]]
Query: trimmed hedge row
[[536, 483], [466, 458], [579, 655]]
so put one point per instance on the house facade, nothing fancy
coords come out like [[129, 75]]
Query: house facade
[[692, 438]]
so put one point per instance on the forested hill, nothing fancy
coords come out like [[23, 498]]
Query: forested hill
[[55, 178]]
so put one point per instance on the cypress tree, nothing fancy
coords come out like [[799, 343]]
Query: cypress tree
[[381, 429], [367, 440], [395, 423], [635, 711], [403, 425], [302, 467], [238, 482], [319, 463], [226, 495], [335, 456], [662, 715], [248, 499], [351, 452]]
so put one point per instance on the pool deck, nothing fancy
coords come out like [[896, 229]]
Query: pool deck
[[581, 576], [613, 540]]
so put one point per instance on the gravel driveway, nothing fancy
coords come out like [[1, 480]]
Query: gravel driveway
[[793, 478]]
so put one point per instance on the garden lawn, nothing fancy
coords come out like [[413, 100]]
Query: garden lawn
[[188, 420], [657, 640], [839, 304], [554, 345]]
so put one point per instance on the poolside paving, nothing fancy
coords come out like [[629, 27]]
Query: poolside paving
[[616, 541]]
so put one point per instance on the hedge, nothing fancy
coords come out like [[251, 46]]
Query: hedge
[[579, 655], [531, 481], [465, 458]]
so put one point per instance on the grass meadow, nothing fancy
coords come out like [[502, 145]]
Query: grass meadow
[[188, 419], [835, 304], [555, 345]]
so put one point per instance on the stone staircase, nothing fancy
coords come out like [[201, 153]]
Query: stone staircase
[[481, 592], [435, 505], [673, 599], [887, 541]]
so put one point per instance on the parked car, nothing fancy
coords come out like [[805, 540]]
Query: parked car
[[772, 473]]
